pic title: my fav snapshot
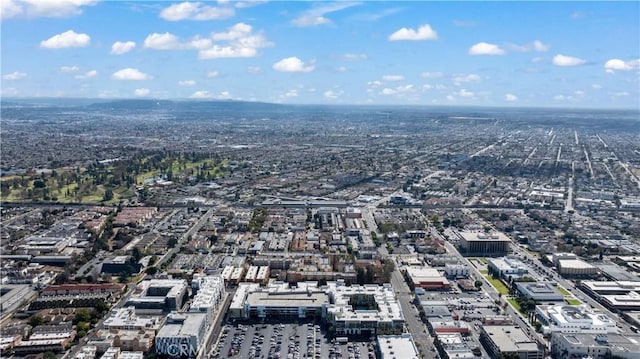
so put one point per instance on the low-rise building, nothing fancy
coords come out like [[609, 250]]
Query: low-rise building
[[507, 267], [159, 295], [502, 340], [453, 345], [426, 278], [583, 345], [540, 292], [576, 268], [573, 319], [456, 271], [397, 346], [182, 335]]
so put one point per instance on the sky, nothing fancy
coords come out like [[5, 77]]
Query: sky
[[538, 54]]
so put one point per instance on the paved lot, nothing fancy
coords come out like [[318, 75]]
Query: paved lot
[[291, 341]]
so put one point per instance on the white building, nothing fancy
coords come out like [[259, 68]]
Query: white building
[[182, 336], [126, 319], [576, 268], [210, 292], [583, 345], [397, 346], [574, 319], [507, 267], [456, 270]]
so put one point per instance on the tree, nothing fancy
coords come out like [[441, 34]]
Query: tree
[[108, 195], [35, 320], [478, 284], [152, 270]]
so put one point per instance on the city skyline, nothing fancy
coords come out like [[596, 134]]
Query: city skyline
[[567, 54]]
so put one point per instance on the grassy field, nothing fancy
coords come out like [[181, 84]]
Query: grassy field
[[563, 291], [484, 271], [515, 304], [573, 301], [498, 285]]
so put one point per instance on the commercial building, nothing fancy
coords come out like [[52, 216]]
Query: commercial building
[[279, 299], [364, 309], [576, 268], [453, 345], [397, 346], [508, 267], [126, 319], [456, 271], [182, 335], [352, 310], [502, 340], [209, 294], [476, 243], [620, 295], [583, 345], [120, 264], [573, 319], [557, 257], [159, 295], [540, 292], [426, 278]]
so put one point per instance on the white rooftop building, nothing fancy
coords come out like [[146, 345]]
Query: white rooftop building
[[574, 319], [397, 346]]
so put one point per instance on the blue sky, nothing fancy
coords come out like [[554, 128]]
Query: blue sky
[[552, 54]]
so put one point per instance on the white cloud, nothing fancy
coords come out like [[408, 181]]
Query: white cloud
[[537, 59], [212, 74], [621, 94], [249, 3], [68, 69], [596, 86], [341, 69], [16, 75], [462, 78], [536, 45], [130, 74], [236, 31], [353, 57], [169, 41], [485, 48], [142, 92], [330, 95], [224, 95], [43, 8], [241, 42], [565, 61], [292, 64], [620, 65], [201, 94], [431, 75], [195, 11], [424, 32], [290, 94], [315, 15], [464, 93], [120, 47], [398, 90], [66, 39], [510, 97], [186, 83], [559, 97], [87, 75], [393, 77], [254, 69]]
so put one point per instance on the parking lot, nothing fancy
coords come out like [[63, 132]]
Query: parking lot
[[290, 341]]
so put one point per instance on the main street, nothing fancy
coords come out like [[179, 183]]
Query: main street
[[414, 324]]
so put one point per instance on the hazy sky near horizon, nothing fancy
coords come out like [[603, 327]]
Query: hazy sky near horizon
[[564, 54]]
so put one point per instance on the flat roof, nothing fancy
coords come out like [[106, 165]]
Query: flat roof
[[510, 339], [398, 346], [292, 299], [481, 236], [574, 264], [189, 325]]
